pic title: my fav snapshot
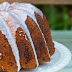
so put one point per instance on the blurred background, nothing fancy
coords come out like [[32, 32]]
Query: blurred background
[[59, 16], [60, 21]]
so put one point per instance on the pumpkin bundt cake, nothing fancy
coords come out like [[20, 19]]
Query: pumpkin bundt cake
[[25, 38]]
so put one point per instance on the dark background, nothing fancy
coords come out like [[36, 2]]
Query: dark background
[[59, 16]]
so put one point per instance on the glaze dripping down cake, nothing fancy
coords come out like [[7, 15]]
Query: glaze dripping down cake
[[25, 38]]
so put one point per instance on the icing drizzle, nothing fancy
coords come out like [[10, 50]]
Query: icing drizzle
[[24, 27], [6, 31], [13, 16]]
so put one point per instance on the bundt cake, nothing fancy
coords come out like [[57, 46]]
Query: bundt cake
[[25, 38]]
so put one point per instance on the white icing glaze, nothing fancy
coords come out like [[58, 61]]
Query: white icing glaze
[[23, 15], [20, 31], [32, 8], [25, 37], [26, 6], [23, 25], [11, 22], [6, 31], [0, 6], [22, 9], [7, 7], [20, 34], [18, 15], [0, 54], [4, 5]]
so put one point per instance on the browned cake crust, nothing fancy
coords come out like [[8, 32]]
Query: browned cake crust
[[7, 59], [40, 47], [27, 58], [46, 31]]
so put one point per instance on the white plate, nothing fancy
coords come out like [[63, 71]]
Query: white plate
[[58, 61]]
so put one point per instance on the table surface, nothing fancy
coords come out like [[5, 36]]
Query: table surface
[[69, 2], [64, 37]]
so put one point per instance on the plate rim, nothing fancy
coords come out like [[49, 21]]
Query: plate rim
[[56, 67], [67, 59]]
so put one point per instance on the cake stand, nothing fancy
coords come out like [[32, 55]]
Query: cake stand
[[58, 61]]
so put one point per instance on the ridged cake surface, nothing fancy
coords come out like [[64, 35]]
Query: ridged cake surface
[[25, 38]]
